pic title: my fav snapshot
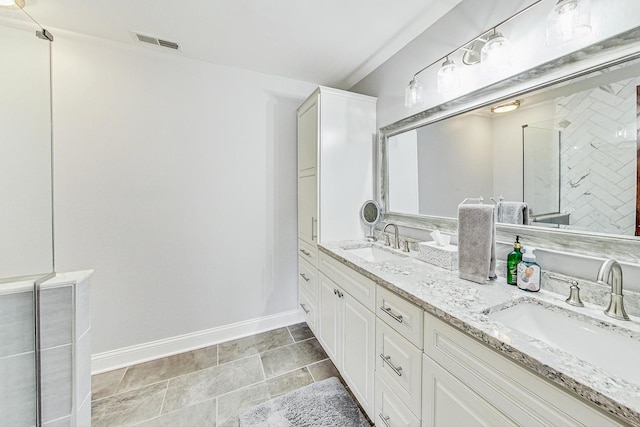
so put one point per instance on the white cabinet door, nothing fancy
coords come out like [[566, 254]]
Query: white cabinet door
[[308, 136], [358, 354], [330, 319], [307, 209], [448, 402]]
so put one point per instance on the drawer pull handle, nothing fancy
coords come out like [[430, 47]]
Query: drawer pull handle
[[307, 253], [305, 308], [384, 419], [387, 360], [306, 279], [397, 317]]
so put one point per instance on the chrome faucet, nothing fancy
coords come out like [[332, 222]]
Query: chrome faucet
[[396, 243], [611, 271]]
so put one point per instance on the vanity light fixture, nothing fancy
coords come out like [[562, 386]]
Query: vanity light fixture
[[506, 107], [413, 93], [496, 51], [12, 3], [448, 78], [569, 20]]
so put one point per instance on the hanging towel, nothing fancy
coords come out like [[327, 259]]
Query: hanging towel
[[514, 213], [476, 242]]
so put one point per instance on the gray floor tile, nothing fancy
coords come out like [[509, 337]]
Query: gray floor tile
[[201, 414], [294, 356], [255, 344], [168, 367], [231, 405], [323, 370], [208, 383], [128, 408], [105, 385], [300, 332]]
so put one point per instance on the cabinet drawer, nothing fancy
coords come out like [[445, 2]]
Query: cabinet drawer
[[308, 252], [309, 306], [307, 277], [399, 364], [358, 286], [390, 410], [403, 316], [448, 402], [508, 386]]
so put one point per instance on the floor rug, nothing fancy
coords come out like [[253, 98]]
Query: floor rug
[[325, 403]]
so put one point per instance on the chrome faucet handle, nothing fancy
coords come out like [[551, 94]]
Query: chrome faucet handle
[[405, 246], [574, 291], [574, 295], [387, 242]]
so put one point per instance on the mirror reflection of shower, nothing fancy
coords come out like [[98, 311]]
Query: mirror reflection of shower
[[541, 174]]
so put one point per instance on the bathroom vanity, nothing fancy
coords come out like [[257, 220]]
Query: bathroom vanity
[[444, 354]]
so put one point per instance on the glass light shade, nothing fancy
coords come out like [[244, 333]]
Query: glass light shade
[[12, 3], [496, 53], [569, 19], [413, 94], [448, 78]]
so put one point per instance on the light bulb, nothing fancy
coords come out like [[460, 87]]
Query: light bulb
[[448, 78], [496, 53], [569, 19], [413, 94]]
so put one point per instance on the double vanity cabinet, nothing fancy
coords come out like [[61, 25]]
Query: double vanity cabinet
[[408, 365]]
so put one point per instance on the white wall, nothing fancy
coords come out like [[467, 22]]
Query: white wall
[[455, 162], [175, 180], [403, 167]]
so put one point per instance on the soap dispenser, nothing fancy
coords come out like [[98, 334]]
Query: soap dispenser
[[513, 259], [529, 273]]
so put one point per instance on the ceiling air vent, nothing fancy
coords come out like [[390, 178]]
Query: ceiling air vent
[[156, 41]]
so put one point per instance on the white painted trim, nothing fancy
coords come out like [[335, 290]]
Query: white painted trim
[[114, 359]]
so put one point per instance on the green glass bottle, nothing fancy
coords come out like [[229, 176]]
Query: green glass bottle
[[512, 262]]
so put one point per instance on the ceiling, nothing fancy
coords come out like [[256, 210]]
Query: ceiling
[[329, 42]]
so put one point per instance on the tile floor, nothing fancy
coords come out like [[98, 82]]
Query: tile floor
[[210, 386]]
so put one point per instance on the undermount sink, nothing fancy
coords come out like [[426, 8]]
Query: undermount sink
[[375, 254], [608, 347]]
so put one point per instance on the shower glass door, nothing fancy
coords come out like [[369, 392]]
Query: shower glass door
[[541, 166], [26, 227]]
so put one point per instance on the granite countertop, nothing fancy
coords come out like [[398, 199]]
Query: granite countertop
[[466, 306]]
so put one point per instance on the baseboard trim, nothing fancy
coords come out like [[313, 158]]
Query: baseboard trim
[[114, 359]]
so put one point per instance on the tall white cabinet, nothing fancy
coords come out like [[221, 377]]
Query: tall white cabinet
[[336, 136]]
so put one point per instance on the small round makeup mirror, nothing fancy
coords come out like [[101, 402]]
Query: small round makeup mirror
[[370, 215]]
